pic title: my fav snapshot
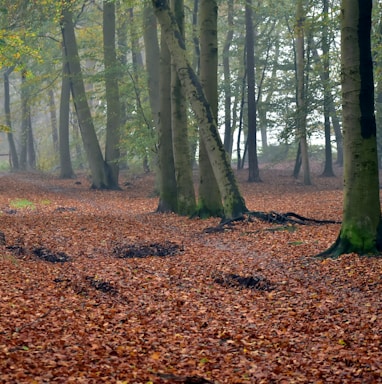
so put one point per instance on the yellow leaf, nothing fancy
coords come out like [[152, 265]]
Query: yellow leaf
[[155, 356]]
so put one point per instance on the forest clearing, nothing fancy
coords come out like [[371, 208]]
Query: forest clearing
[[97, 287]]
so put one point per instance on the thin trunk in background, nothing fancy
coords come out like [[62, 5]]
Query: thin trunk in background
[[253, 165], [13, 157], [24, 125], [53, 120], [66, 169], [301, 102], [227, 82], [328, 168], [152, 52]]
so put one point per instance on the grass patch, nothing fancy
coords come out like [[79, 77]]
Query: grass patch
[[22, 203]]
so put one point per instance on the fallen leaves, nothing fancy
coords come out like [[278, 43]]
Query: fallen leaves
[[154, 298]]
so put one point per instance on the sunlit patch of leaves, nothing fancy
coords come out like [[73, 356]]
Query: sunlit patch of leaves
[[128, 251]]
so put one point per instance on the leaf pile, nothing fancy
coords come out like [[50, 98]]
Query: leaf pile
[[144, 297]]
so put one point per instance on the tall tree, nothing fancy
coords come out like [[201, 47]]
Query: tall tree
[[301, 101], [66, 169], [253, 165], [233, 201], [180, 142], [168, 198], [328, 169], [113, 107], [98, 167], [209, 200], [361, 229], [13, 157], [227, 81]]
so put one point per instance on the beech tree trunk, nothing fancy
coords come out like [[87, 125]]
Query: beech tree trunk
[[113, 111], [233, 202], [168, 199], [66, 170], [209, 199], [361, 230], [180, 143], [301, 102], [98, 167], [253, 165]]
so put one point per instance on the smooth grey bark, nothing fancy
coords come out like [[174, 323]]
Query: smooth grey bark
[[152, 52], [23, 151], [13, 157], [168, 199], [301, 101], [228, 142], [53, 120], [328, 168], [233, 202], [253, 165], [209, 199], [98, 167], [180, 143], [113, 108], [66, 169]]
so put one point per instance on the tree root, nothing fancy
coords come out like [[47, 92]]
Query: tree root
[[271, 217]]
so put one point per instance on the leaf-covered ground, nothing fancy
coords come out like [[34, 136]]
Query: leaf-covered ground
[[95, 287]]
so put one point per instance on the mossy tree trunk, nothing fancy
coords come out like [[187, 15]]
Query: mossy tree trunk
[[180, 142], [361, 226], [209, 202], [233, 202]]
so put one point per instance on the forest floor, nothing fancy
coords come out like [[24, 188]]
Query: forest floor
[[97, 288]]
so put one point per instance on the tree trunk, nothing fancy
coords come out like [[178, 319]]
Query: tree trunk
[[180, 143], [152, 52], [113, 111], [95, 159], [66, 170], [53, 120], [253, 165], [13, 157], [301, 103], [209, 202], [361, 230], [24, 125], [227, 82], [328, 169], [168, 200], [233, 202]]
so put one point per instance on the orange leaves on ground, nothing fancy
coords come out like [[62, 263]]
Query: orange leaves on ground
[[154, 298]]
